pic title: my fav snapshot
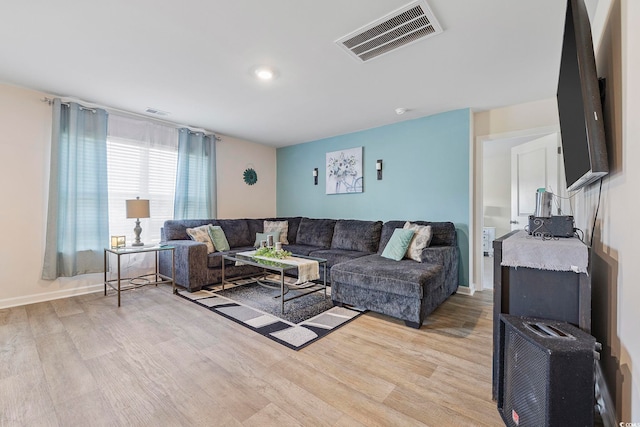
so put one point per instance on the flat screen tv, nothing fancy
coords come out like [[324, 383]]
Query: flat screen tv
[[579, 104]]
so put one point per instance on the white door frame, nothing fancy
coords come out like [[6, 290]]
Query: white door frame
[[475, 283]]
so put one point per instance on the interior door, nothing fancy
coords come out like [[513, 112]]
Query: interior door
[[534, 164]]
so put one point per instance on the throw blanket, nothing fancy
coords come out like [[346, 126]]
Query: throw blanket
[[564, 254], [308, 269]]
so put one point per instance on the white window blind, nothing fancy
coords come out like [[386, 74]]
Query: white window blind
[[141, 160]]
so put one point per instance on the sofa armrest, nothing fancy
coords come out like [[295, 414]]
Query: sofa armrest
[[190, 262], [448, 257], [436, 254]]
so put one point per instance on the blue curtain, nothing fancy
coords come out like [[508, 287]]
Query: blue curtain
[[196, 176], [77, 220]]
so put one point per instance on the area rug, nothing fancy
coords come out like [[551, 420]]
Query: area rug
[[304, 321]]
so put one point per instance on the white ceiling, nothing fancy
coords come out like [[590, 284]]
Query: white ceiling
[[192, 58]]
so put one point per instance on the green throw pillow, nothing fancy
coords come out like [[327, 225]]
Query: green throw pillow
[[263, 236], [398, 244], [218, 238]]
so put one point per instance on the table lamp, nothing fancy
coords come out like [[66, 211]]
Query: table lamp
[[137, 209]]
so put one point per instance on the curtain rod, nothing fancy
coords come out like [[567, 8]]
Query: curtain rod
[[92, 106]]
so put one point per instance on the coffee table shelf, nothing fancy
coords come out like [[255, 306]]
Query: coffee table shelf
[[276, 266]]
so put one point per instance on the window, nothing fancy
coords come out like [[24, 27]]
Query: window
[[141, 162]]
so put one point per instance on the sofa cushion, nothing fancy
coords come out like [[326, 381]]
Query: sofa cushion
[[420, 240], [443, 233], [405, 277], [236, 231], [201, 234], [176, 229], [282, 227], [397, 245], [355, 235], [336, 256], [214, 260], [315, 232], [257, 226], [302, 249], [265, 236]]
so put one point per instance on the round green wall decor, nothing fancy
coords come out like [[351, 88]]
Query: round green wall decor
[[250, 176]]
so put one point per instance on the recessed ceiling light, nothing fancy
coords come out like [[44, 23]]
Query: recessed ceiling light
[[264, 73]]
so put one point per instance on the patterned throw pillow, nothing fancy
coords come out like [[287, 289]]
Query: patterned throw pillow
[[201, 234], [281, 226], [421, 239]]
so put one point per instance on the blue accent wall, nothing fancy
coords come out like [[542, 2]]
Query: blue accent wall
[[425, 176]]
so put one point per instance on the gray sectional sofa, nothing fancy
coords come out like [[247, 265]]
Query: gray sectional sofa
[[358, 273]]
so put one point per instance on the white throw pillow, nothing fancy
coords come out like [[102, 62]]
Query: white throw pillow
[[201, 234], [281, 226], [421, 239]]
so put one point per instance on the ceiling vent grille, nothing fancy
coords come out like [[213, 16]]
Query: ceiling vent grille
[[156, 112], [402, 27]]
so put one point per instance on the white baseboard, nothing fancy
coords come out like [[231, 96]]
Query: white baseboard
[[50, 296], [466, 290]]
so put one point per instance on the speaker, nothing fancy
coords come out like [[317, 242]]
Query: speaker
[[546, 373]]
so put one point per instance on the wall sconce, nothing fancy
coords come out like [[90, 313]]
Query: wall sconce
[[315, 176], [379, 168]]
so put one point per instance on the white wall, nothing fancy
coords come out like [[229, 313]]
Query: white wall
[[235, 198], [496, 185], [514, 118], [616, 249], [630, 290], [25, 134]]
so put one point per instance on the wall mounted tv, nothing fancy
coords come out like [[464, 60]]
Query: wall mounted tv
[[579, 103]]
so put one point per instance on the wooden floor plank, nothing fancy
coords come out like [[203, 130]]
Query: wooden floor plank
[[66, 307], [13, 314], [25, 399], [18, 351], [162, 360]]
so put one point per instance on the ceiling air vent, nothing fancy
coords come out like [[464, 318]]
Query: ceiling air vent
[[402, 27], [156, 112]]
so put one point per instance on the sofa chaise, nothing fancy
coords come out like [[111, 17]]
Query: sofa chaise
[[404, 289]]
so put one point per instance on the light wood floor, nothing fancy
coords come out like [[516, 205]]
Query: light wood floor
[[160, 360]]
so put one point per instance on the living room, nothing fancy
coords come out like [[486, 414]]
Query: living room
[[437, 152]]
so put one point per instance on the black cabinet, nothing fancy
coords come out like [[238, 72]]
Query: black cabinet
[[522, 291]]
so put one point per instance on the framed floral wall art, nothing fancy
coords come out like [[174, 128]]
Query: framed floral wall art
[[344, 171]]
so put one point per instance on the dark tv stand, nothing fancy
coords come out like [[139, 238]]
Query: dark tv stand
[[555, 295]]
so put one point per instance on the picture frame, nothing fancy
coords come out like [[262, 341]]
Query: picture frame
[[344, 171], [118, 242]]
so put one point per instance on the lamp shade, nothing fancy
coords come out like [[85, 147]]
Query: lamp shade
[[137, 208]]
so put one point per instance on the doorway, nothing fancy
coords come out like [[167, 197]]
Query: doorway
[[509, 168]]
